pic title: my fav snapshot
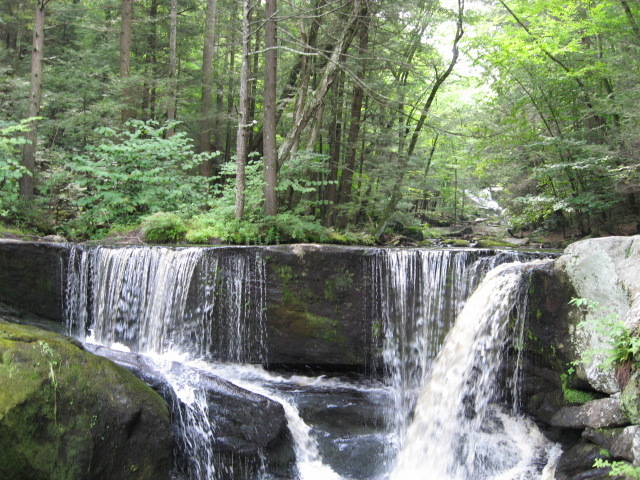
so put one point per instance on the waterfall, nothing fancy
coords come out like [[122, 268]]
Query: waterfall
[[207, 305], [459, 431], [419, 294], [191, 302], [202, 302]]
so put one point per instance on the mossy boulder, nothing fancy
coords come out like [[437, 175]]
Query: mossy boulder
[[68, 414], [602, 270], [630, 399]]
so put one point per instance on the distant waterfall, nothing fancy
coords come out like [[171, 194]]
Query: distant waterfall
[[458, 431], [201, 302]]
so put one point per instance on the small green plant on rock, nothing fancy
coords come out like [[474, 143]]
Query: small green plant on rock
[[50, 355], [618, 468], [624, 344]]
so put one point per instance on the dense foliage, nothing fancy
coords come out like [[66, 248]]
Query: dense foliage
[[388, 115]]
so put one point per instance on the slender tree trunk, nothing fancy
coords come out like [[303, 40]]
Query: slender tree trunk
[[270, 88], [335, 144], [244, 125], [354, 127], [206, 103], [631, 18], [360, 8], [35, 96], [231, 84], [152, 61], [126, 26], [173, 41]]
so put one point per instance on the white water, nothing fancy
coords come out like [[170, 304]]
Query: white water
[[203, 306], [458, 432], [421, 292]]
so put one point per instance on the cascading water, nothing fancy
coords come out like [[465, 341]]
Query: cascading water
[[158, 299], [459, 431], [420, 293], [163, 301], [208, 305]]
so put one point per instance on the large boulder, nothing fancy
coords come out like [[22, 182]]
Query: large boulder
[[247, 428], [604, 412], [68, 414], [606, 271]]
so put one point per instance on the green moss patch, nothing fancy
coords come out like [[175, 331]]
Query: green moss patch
[[68, 414]]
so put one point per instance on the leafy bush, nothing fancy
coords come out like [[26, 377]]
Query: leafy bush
[[163, 227], [134, 173], [619, 469], [11, 170], [282, 228]]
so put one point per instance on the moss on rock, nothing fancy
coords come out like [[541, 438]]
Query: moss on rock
[[68, 414], [630, 399]]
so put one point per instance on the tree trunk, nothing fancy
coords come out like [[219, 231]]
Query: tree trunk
[[244, 125], [354, 127], [360, 8], [206, 103], [35, 95], [269, 133], [126, 26], [173, 41], [335, 144]]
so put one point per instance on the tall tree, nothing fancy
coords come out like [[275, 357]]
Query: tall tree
[[244, 122], [206, 101], [173, 41], [126, 31], [355, 122], [403, 157], [270, 88], [35, 97]]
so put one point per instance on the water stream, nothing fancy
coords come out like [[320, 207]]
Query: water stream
[[203, 309]]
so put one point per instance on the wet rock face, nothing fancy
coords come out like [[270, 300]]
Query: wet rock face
[[33, 276], [564, 386], [68, 414], [317, 306], [248, 426]]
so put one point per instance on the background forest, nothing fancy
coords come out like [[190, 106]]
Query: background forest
[[255, 121]]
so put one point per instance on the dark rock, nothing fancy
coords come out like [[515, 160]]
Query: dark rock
[[70, 414], [577, 463], [248, 425], [33, 276], [465, 232], [620, 442], [601, 413], [317, 306]]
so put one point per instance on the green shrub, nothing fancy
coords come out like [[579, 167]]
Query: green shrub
[[624, 345], [163, 227], [11, 139], [133, 173]]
